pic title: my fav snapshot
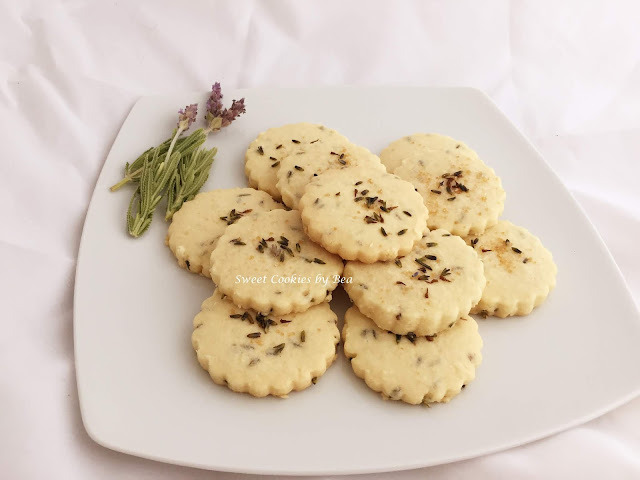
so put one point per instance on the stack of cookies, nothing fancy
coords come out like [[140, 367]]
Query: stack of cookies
[[414, 237], [465, 197], [268, 328], [408, 334]]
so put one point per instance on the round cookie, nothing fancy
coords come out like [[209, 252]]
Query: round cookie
[[266, 262], [265, 154], [196, 227], [422, 293], [520, 271], [463, 194], [410, 368], [363, 214], [425, 144], [296, 171], [261, 355]]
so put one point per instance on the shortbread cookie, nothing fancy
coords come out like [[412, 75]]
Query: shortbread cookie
[[267, 263], [519, 269], [261, 355], [363, 214], [196, 227], [412, 368], [265, 154], [463, 194], [296, 171], [423, 144], [423, 292]]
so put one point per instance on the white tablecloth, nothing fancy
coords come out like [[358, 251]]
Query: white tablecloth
[[567, 73]]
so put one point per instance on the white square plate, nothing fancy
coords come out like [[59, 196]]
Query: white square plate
[[142, 391]]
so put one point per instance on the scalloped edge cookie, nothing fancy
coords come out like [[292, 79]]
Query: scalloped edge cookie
[[264, 355], [296, 171], [423, 292], [520, 271], [363, 214], [430, 143], [272, 246], [265, 153], [197, 226], [412, 369], [462, 193]]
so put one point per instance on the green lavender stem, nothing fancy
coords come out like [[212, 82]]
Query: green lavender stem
[[156, 173], [187, 180], [184, 145]]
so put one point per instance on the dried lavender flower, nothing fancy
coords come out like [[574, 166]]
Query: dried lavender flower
[[214, 102], [237, 109], [187, 116], [218, 117]]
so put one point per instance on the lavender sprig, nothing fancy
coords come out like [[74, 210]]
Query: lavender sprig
[[237, 109], [188, 179], [183, 145], [157, 172], [179, 166], [214, 102], [218, 117], [187, 116], [194, 169], [155, 176]]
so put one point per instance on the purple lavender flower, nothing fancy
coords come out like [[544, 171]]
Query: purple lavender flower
[[214, 103], [187, 116], [237, 109], [218, 117]]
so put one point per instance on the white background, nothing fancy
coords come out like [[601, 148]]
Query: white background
[[567, 73]]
